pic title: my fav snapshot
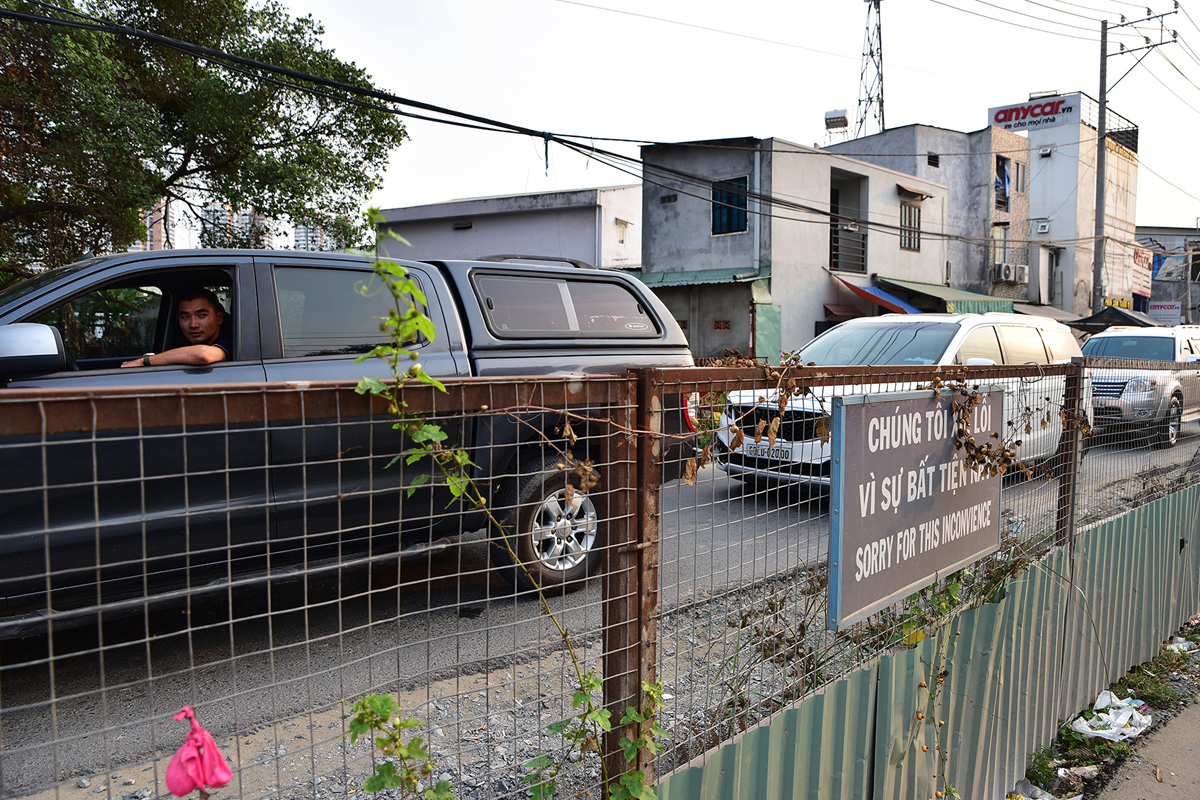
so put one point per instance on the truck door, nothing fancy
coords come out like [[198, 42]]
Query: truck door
[[338, 488], [147, 505]]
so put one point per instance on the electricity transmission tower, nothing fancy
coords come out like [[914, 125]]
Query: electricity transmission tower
[[870, 85]]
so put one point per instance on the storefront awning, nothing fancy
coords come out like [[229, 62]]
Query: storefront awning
[[957, 301], [1050, 312], [842, 310], [881, 298], [1112, 315]]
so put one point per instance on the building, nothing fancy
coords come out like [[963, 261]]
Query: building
[[1174, 257], [221, 226], [757, 245], [986, 177], [601, 227], [312, 237], [1022, 194], [160, 225]]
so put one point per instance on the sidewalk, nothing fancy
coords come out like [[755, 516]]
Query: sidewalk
[[1174, 750]]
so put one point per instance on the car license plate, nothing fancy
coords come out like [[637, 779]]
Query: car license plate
[[765, 451]]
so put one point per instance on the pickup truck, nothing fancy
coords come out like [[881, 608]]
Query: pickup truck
[[298, 317]]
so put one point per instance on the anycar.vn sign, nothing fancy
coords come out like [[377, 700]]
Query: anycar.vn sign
[[906, 509], [1045, 112]]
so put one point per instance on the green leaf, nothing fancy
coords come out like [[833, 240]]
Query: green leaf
[[372, 385], [385, 777], [442, 791], [429, 433], [581, 697], [560, 726]]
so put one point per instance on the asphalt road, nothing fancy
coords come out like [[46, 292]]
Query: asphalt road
[[306, 644]]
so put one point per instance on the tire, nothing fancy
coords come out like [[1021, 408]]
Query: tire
[[557, 540], [1166, 435]]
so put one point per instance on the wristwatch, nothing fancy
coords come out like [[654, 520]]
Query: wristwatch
[[146, 359]]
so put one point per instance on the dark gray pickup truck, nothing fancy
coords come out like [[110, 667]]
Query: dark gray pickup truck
[[295, 317]]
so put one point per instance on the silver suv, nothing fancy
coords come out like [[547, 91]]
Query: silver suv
[[1157, 400], [800, 455]]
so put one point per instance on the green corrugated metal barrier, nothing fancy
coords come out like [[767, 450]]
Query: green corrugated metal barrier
[[1065, 630]]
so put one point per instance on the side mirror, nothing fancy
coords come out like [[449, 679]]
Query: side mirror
[[27, 348], [980, 362]]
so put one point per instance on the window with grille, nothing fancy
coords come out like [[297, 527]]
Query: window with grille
[[721, 325], [1003, 182], [910, 226], [934, 160], [729, 206]]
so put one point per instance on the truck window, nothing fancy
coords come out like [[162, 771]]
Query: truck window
[[325, 311], [527, 306], [981, 343], [107, 325], [120, 320], [1023, 345]]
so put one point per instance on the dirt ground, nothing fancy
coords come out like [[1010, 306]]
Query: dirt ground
[[1165, 765]]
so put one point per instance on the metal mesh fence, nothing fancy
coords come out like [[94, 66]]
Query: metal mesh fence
[[257, 555], [744, 585], [1145, 442], [240, 551]]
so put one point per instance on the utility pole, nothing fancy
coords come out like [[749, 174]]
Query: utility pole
[[1102, 137]]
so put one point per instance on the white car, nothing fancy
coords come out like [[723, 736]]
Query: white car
[[800, 452]]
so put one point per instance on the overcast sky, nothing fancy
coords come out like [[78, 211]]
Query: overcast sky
[[668, 70]]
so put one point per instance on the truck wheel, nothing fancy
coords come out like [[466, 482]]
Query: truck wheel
[[1167, 435], [554, 531]]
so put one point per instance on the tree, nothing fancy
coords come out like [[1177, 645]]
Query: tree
[[96, 127]]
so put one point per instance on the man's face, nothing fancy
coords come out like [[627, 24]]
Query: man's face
[[199, 321]]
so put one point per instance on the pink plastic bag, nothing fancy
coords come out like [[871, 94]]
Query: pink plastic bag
[[198, 764]]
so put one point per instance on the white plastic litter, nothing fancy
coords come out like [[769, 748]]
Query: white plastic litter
[[1181, 645], [1116, 720]]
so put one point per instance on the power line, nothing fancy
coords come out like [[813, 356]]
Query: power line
[[1019, 25], [256, 70]]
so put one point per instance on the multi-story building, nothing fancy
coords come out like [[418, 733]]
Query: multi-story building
[[220, 226], [1023, 207], [160, 223], [311, 237], [601, 227], [756, 245]]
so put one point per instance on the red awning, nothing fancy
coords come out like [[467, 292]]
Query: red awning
[[874, 294], [842, 310]]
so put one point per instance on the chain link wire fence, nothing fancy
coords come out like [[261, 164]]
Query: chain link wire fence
[[254, 553]]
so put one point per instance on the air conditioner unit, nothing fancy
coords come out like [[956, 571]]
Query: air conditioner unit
[[1004, 272], [1043, 227], [1045, 152], [1021, 274]]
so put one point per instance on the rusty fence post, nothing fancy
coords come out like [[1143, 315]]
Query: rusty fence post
[[631, 569], [1070, 453]]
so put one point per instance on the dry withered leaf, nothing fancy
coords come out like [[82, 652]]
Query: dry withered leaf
[[706, 457], [569, 433], [821, 429], [773, 431], [737, 439], [689, 472], [758, 431]]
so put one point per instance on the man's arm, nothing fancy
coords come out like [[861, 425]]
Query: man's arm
[[194, 355]]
